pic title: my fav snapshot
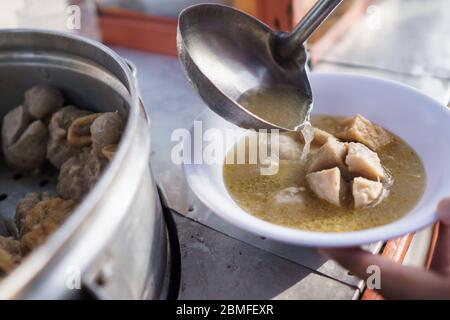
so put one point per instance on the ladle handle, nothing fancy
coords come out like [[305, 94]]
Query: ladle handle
[[293, 42]]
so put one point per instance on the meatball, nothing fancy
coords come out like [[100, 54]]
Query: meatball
[[14, 124], [328, 185], [331, 154], [364, 162], [79, 174], [29, 151], [58, 149], [366, 192], [45, 217], [42, 101], [24, 140], [106, 130]]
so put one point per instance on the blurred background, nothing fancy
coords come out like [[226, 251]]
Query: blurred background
[[169, 8], [151, 24]]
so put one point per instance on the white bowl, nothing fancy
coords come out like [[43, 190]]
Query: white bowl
[[418, 119]]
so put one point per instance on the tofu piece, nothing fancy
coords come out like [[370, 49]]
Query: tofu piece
[[42, 220], [359, 129], [10, 255], [106, 130], [6, 263], [365, 192], [327, 185], [26, 204], [331, 154], [362, 161]]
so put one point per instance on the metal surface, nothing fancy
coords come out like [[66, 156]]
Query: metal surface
[[115, 239], [227, 53], [216, 266]]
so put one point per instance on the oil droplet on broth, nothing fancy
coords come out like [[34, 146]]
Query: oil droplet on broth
[[284, 106]]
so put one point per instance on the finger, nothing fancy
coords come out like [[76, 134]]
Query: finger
[[441, 257], [397, 281]]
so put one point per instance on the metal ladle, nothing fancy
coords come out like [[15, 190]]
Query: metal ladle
[[227, 53]]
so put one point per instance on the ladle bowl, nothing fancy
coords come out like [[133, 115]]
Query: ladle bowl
[[227, 53]]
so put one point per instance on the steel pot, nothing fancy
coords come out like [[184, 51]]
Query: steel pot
[[114, 243]]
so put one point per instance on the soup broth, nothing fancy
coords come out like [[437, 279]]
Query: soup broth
[[255, 193], [281, 105]]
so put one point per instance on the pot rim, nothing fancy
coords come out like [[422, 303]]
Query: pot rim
[[15, 285]]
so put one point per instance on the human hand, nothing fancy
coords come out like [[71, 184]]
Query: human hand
[[402, 282]]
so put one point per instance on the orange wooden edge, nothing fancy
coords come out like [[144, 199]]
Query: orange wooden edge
[[126, 28], [142, 31], [276, 14], [396, 250], [131, 29], [432, 245]]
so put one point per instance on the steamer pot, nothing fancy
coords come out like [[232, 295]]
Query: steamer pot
[[114, 243]]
